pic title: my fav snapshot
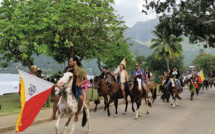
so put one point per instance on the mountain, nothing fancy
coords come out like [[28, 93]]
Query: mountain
[[142, 31], [141, 34]]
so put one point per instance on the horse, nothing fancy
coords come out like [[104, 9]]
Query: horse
[[173, 90], [69, 106], [205, 84], [152, 88], [116, 93], [102, 91], [139, 93], [166, 94]]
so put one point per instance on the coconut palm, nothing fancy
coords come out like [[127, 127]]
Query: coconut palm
[[166, 46]]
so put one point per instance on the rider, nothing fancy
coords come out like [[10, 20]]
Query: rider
[[80, 78], [122, 78], [141, 72], [104, 71], [176, 73], [148, 75]]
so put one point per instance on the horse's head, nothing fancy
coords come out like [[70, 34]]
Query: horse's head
[[109, 79], [97, 80], [65, 81], [138, 82]]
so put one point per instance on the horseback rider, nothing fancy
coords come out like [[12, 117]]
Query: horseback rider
[[141, 72], [81, 78], [104, 71], [148, 75], [175, 72], [122, 78]]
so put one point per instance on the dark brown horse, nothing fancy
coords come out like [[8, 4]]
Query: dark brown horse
[[116, 93], [102, 90], [139, 93]]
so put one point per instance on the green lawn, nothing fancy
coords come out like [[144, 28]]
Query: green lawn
[[10, 103]]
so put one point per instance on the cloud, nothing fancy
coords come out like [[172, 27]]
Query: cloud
[[132, 11]]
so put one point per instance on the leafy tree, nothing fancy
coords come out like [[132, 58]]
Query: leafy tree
[[202, 61], [158, 67], [194, 17], [60, 29], [166, 45]]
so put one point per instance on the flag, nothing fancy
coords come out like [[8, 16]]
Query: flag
[[200, 76], [117, 69], [34, 93]]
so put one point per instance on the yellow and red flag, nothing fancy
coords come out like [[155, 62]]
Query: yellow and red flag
[[34, 93], [200, 76]]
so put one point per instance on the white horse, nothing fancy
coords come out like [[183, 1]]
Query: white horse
[[70, 105]]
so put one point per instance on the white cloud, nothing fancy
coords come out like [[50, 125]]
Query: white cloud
[[132, 11]]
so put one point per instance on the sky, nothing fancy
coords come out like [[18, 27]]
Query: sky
[[132, 11]]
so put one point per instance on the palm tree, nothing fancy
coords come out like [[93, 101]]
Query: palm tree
[[166, 46]]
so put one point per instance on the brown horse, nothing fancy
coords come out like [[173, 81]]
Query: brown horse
[[152, 89], [139, 93], [116, 93], [102, 90]]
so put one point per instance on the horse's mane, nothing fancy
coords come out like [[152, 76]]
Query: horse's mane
[[108, 73]]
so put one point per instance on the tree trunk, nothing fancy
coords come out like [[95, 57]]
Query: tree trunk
[[99, 64], [167, 61], [29, 63]]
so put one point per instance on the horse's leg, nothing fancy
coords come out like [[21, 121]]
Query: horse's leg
[[97, 101], [132, 103], [105, 102], [137, 112], [73, 127], [67, 123], [173, 102], [140, 111], [108, 106], [88, 117], [171, 99], [126, 102], [58, 123], [147, 106], [116, 107], [176, 101]]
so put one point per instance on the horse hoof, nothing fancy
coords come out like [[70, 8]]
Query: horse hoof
[[124, 113], [136, 118], [140, 115], [147, 112], [109, 115], [115, 115], [133, 110]]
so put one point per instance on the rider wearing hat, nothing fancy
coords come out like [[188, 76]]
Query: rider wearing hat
[[175, 72]]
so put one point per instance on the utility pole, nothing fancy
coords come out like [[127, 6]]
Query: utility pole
[[211, 67]]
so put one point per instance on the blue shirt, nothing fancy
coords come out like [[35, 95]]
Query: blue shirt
[[141, 72]]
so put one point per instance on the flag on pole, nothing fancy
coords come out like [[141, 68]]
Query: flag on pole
[[34, 93], [200, 76], [122, 62]]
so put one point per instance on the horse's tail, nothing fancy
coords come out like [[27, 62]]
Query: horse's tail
[[84, 119], [154, 96]]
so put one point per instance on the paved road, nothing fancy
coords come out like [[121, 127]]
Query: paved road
[[190, 117]]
